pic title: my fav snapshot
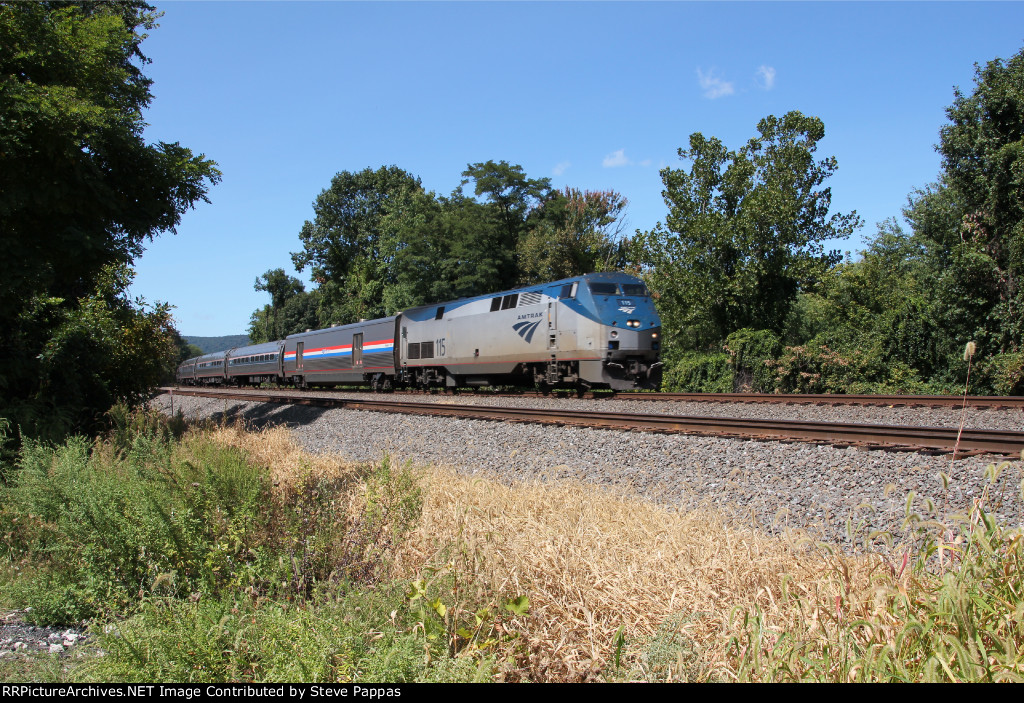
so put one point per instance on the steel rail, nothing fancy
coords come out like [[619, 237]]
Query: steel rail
[[972, 401], [893, 401], [926, 439]]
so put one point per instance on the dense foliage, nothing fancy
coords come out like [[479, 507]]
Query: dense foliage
[[744, 232], [80, 193], [740, 256], [198, 562]]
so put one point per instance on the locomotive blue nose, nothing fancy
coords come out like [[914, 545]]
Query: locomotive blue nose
[[629, 329]]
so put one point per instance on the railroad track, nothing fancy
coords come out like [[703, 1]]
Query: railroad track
[[912, 401], [892, 401], [969, 442]]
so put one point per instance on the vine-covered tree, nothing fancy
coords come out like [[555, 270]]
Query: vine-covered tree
[[982, 151]]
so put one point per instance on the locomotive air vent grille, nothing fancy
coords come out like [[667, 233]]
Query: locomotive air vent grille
[[530, 298], [420, 350]]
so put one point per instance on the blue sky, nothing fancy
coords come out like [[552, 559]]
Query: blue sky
[[283, 95]]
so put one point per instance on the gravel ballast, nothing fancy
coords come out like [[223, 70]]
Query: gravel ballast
[[775, 484]]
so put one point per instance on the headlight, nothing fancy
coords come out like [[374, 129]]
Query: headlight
[[633, 323], [654, 335], [614, 334]]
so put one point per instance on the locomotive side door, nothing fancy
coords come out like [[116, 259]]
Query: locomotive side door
[[298, 355], [552, 324]]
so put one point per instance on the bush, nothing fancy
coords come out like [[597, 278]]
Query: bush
[[752, 353], [1003, 373], [99, 528], [697, 372]]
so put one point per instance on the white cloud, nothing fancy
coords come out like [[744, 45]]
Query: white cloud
[[767, 76], [559, 168], [713, 86], [616, 158]]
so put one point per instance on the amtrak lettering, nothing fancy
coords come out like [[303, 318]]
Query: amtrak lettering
[[528, 315]]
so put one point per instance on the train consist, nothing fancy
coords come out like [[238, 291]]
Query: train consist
[[599, 330]]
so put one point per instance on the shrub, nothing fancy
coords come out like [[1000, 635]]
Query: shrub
[[1004, 374], [752, 353], [97, 528], [698, 372]]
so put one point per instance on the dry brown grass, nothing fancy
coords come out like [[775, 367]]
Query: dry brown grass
[[592, 562], [288, 463]]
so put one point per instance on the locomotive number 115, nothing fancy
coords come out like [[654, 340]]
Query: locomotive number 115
[[439, 346]]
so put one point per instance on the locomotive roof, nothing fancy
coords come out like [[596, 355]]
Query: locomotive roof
[[610, 276]]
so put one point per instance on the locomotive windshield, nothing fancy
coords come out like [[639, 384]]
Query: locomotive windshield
[[602, 288], [634, 289]]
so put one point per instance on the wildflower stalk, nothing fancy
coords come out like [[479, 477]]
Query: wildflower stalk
[[968, 357]]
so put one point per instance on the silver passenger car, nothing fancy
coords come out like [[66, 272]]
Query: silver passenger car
[[256, 364], [360, 353]]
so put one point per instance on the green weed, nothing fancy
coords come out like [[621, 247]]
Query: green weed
[[953, 613]]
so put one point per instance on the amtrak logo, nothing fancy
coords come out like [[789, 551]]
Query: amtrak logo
[[627, 309], [626, 306], [526, 329]]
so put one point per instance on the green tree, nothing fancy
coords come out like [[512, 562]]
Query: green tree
[[80, 193], [345, 243], [424, 240], [744, 232], [573, 233], [104, 349], [281, 288], [79, 188], [510, 198], [300, 312], [982, 151]]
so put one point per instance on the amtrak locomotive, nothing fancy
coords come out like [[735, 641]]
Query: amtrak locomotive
[[599, 330]]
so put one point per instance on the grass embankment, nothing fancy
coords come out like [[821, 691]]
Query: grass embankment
[[229, 556]]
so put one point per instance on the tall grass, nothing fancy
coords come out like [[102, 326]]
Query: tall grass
[[94, 528], [232, 556], [954, 611]]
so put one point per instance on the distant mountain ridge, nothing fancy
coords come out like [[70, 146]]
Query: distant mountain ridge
[[216, 344]]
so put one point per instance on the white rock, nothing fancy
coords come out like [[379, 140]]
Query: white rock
[[56, 648]]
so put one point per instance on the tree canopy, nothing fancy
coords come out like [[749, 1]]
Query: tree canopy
[[380, 243], [982, 150], [80, 189], [744, 231]]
